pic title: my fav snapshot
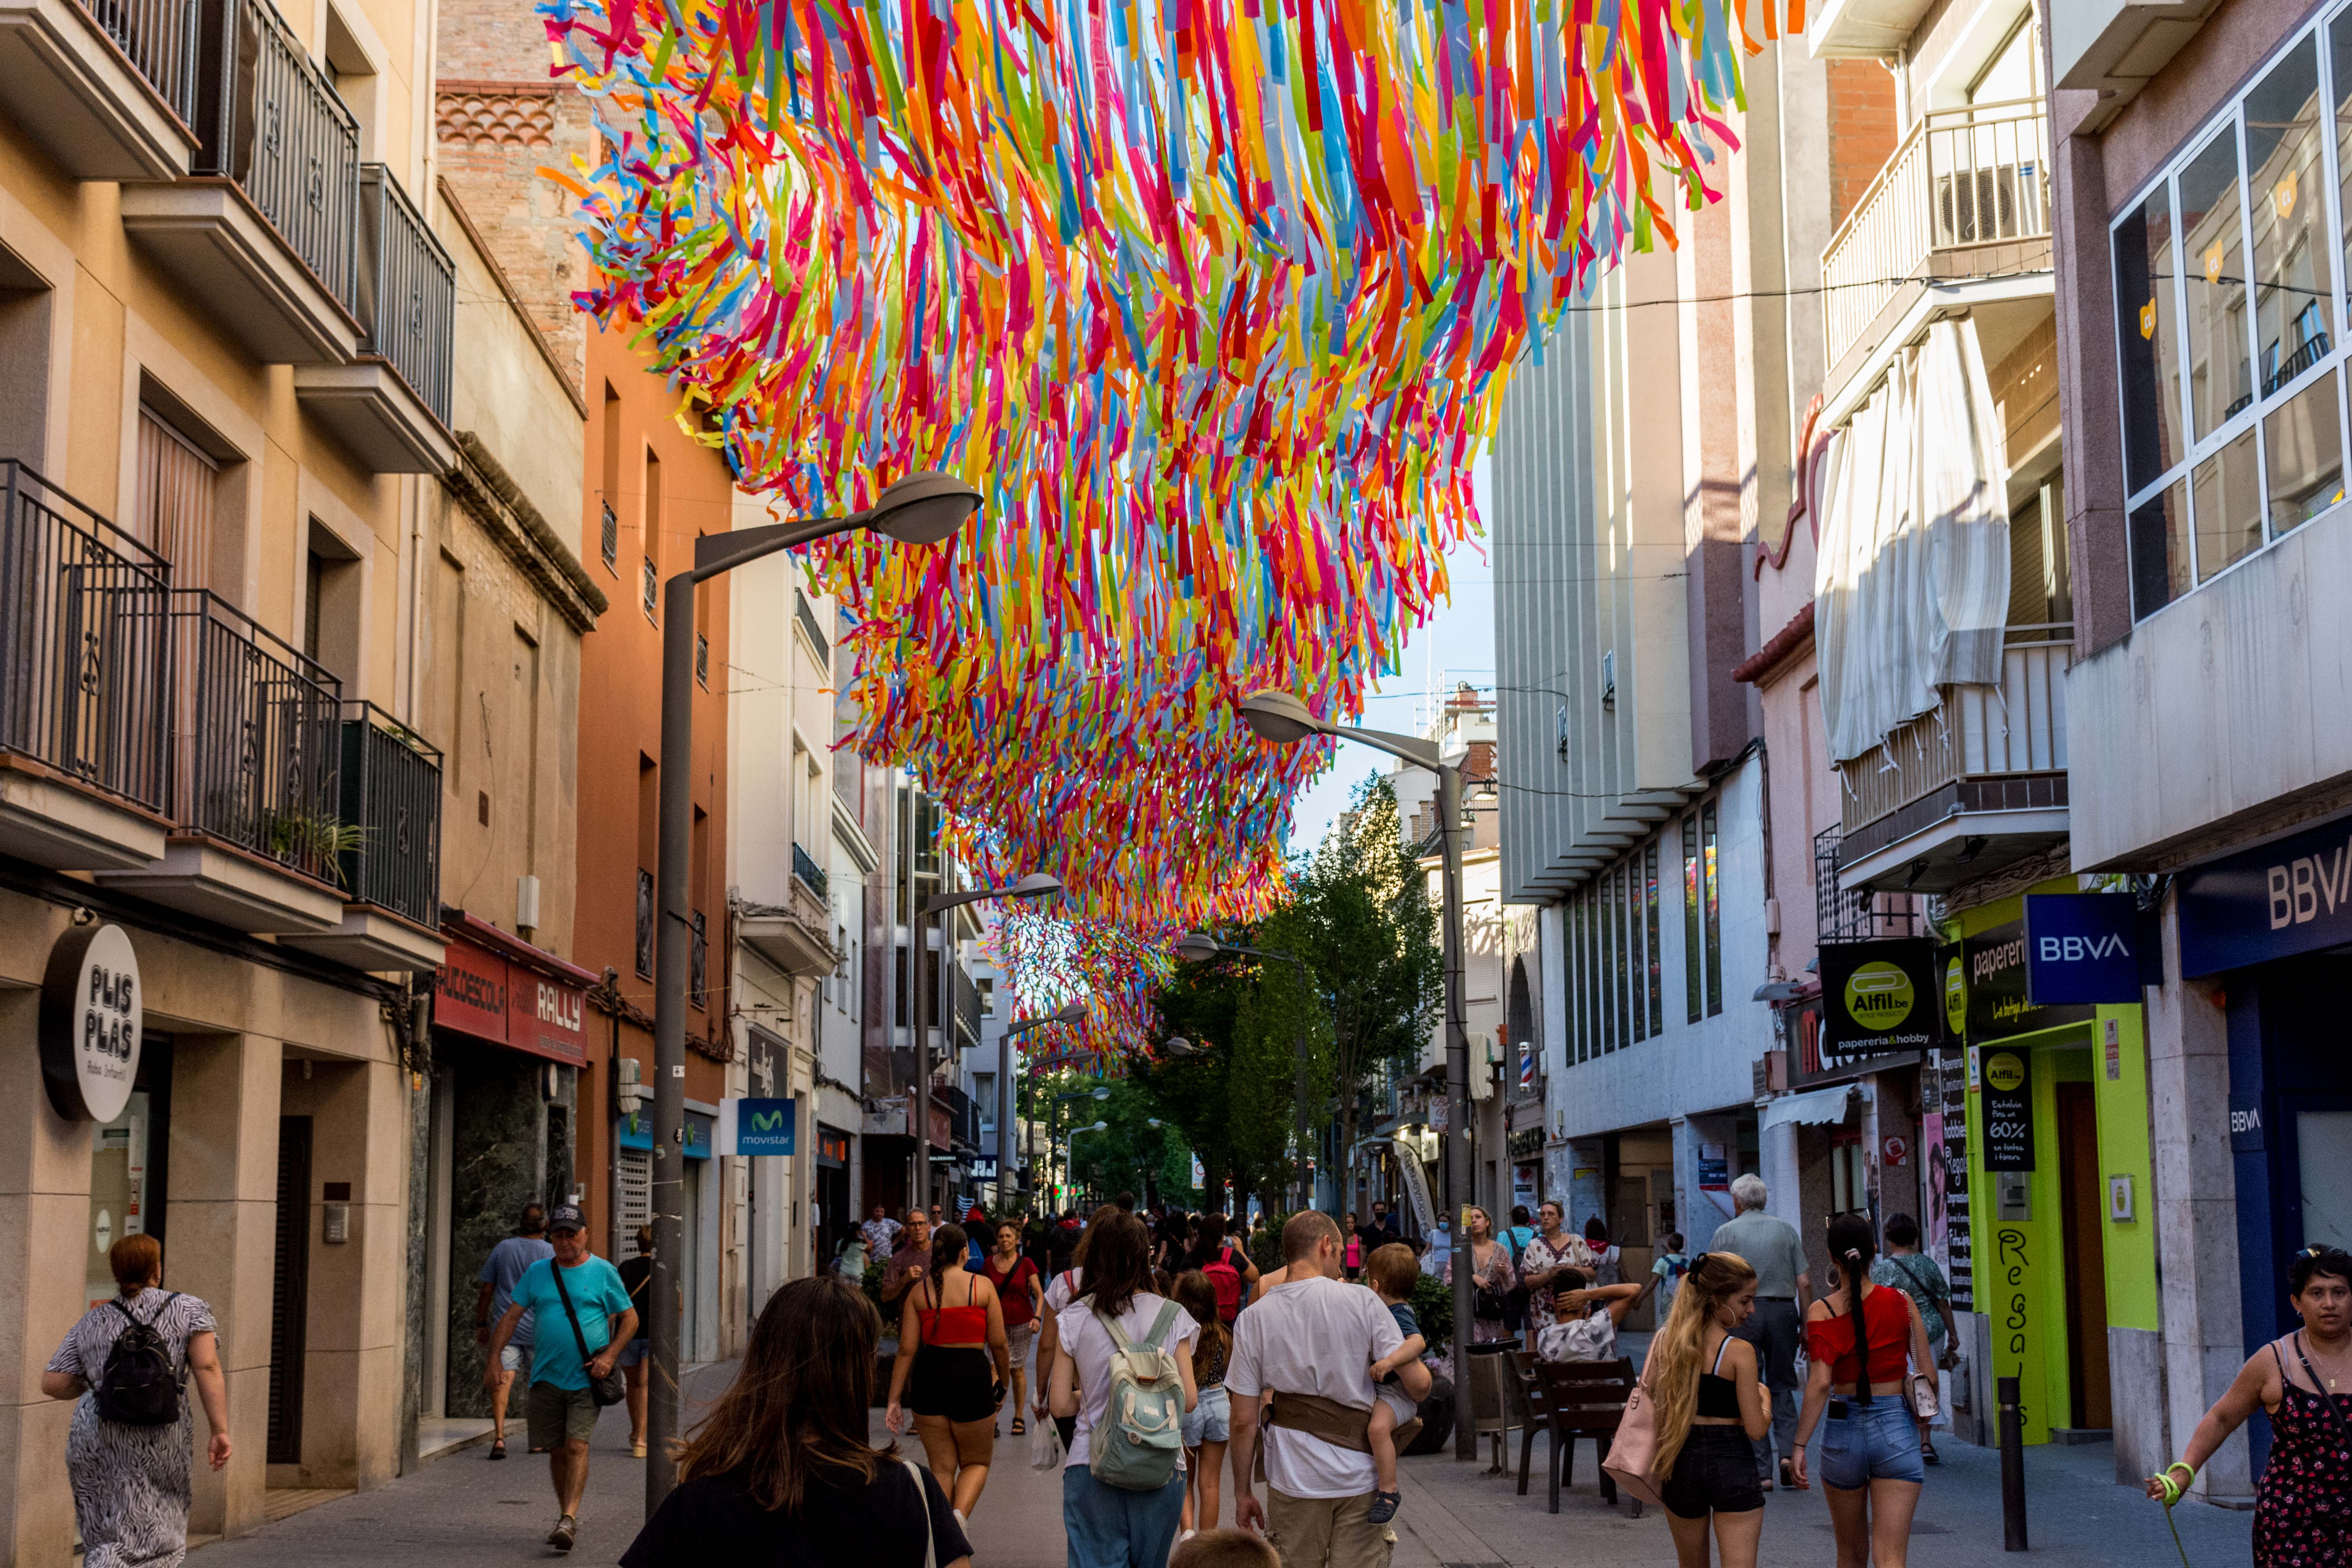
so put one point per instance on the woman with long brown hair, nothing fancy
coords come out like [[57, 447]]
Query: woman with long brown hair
[[949, 1332], [1492, 1276], [780, 1471], [1710, 1410]]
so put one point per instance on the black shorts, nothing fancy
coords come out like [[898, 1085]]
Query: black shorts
[[958, 1381], [1715, 1473]]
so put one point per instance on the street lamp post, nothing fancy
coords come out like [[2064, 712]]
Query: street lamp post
[[1069, 1164], [1196, 947], [1073, 1013], [1035, 886], [1280, 717], [922, 509]]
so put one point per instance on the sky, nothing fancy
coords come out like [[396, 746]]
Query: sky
[[1458, 645]]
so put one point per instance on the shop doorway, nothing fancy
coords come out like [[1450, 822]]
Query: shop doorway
[[127, 1168], [2083, 1198], [290, 1296]]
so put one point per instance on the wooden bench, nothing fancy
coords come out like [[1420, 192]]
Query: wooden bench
[[1572, 1399]]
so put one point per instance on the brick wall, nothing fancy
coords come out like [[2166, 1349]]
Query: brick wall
[[1862, 130]]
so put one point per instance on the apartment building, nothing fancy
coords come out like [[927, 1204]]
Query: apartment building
[[2197, 218], [228, 329]]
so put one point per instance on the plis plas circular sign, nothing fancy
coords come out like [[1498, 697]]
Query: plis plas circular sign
[[1878, 996], [91, 1000]]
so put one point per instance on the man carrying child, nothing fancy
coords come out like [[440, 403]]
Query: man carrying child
[[1320, 1348]]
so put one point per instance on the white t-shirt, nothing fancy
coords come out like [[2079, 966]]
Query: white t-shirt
[[1088, 1343], [1313, 1336], [1061, 1288]]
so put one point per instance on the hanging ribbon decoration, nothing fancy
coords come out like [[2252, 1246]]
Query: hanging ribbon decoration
[[1214, 300]]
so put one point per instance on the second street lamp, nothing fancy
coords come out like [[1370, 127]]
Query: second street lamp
[[1072, 1012], [1197, 947], [922, 509], [1035, 886], [1280, 717]]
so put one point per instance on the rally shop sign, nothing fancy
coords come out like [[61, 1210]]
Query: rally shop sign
[[1877, 998], [90, 1023], [2008, 1107]]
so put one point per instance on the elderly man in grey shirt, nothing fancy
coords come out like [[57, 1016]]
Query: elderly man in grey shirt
[[1784, 1290]]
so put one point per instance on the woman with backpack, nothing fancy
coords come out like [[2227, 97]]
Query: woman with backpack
[[953, 1366], [129, 1361], [1914, 1273], [1123, 1371]]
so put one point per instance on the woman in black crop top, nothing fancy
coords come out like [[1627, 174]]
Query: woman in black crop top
[[1710, 1409]]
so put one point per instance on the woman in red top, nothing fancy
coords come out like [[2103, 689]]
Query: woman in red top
[[1863, 1349], [1022, 1291], [949, 1332]]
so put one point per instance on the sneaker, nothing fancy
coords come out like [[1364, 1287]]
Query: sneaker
[[566, 1531], [1385, 1507]]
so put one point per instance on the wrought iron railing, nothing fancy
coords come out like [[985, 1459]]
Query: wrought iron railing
[[644, 923], [811, 873], [269, 118], [697, 964], [257, 739], [807, 618], [1964, 179], [1857, 916], [407, 289], [967, 1005], [158, 37], [85, 654], [391, 816], [612, 541]]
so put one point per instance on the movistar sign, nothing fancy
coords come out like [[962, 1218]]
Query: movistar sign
[[758, 1126]]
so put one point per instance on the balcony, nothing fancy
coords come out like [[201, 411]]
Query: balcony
[[1957, 795], [807, 872], [796, 935], [1959, 218], [85, 664], [265, 233], [388, 853], [257, 796], [966, 1008], [810, 629], [109, 90], [391, 405]]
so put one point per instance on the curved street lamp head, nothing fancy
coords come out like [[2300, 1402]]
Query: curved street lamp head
[[1198, 947], [1280, 717], [1178, 1045], [923, 508], [1035, 884]]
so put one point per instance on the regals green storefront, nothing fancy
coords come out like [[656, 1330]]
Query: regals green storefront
[[2057, 1196]]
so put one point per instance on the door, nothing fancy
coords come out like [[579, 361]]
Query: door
[[2323, 1146], [636, 1199], [290, 1296], [2083, 1198]]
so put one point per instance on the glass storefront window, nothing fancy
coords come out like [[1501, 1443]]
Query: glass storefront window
[[2303, 448], [2295, 301], [2227, 495], [2221, 373], [2339, 71], [118, 1192], [2147, 313], [2159, 549]]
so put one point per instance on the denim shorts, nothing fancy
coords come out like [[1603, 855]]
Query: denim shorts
[[1211, 1421], [1875, 1442], [1715, 1473], [636, 1351]]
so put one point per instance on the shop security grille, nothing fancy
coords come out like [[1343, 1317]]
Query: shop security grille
[[636, 1198]]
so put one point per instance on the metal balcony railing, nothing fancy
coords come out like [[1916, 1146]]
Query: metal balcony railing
[[407, 289], [811, 873], [1979, 731], [391, 856], [645, 924], [158, 37], [85, 654], [807, 618], [257, 739], [1858, 916], [269, 118], [1964, 182], [967, 1007], [697, 963]]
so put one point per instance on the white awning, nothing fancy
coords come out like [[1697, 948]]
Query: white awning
[[1911, 582], [1815, 1105]]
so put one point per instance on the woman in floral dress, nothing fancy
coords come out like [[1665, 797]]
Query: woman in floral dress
[[2302, 1505]]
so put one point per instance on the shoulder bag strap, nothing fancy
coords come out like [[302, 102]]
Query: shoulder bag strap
[[2320, 1388], [563, 1290], [930, 1543]]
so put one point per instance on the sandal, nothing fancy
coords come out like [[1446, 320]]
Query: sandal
[[1020, 1428], [1383, 1507], [498, 1447], [1928, 1453]]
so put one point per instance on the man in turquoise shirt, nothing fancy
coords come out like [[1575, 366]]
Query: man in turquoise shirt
[[598, 1320]]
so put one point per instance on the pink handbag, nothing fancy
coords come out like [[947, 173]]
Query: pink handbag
[[1634, 1449]]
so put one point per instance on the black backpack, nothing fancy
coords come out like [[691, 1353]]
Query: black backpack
[[138, 1387]]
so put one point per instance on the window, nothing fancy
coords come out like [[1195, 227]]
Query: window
[[1650, 945], [1710, 872], [611, 540], [2228, 316], [697, 967], [178, 487], [645, 924], [1694, 978], [652, 592]]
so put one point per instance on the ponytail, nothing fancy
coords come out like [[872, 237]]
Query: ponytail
[[1854, 1246], [948, 1246]]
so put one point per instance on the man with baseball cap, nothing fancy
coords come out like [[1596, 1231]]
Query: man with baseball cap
[[584, 1318]]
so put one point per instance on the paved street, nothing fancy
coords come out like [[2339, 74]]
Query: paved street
[[467, 1511]]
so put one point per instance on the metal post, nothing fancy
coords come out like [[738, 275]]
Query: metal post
[[1004, 1116], [1457, 1098], [2012, 1465], [1298, 1094], [918, 960], [671, 932]]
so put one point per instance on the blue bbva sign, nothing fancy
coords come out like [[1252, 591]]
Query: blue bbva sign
[[758, 1126], [2082, 947], [2291, 896]]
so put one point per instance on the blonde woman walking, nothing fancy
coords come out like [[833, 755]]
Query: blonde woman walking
[[1710, 1411]]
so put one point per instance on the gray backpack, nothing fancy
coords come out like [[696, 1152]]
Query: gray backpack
[[1142, 1433]]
